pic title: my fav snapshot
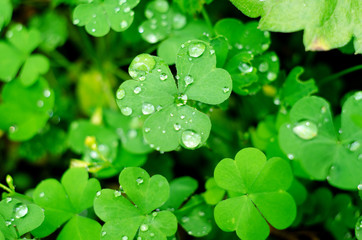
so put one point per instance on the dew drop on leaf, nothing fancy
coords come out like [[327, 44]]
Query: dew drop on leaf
[[7, 223], [93, 30], [124, 24], [158, 108], [185, 219], [41, 194], [163, 76], [177, 126], [21, 211], [358, 96], [143, 63], [190, 139], [305, 130], [151, 38], [354, 146], [103, 233], [8, 200], [274, 58], [188, 80], [144, 227], [132, 133], [263, 67], [147, 130], [161, 6], [126, 111], [178, 21], [40, 103], [137, 90], [290, 156], [124, 238], [201, 213], [139, 181], [12, 129], [196, 49], [359, 187], [226, 89], [117, 193], [152, 234], [76, 21], [46, 93], [245, 68], [120, 94], [147, 108]]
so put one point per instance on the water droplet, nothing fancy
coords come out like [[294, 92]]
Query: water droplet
[[103, 233], [158, 108], [46, 93], [245, 68], [132, 133], [188, 80], [147, 130], [185, 219], [178, 21], [306, 130], [190, 139], [263, 67], [8, 199], [127, 9], [148, 108], [359, 187], [124, 238], [182, 46], [266, 34], [117, 9], [189, 232], [212, 51], [137, 90], [120, 93], [323, 109], [139, 181], [177, 126], [93, 30], [151, 38], [274, 58], [152, 234], [139, 238], [354, 146], [163, 76], [117, 193], [163, 131], [124, 24], [76, 21], [126, 111], [226, 89], [40, 103], [196, 49], [7, 223], [358, 96], [42, 194], [141, 65], [290, 156], [182, 117], [201, 213], [239, 46], [141, 29], [144, 227], [161, 6], [265, 46], [271, 76], [21, 211]]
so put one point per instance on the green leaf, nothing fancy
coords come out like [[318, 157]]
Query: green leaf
[[24, 116], [17, 217], [358, 228], [99, 17], [124, 219], [53, 29], [80, 228], [147, 193], [311, 139], [162, 21], [260, 188], [6, 10], [326, 25], [154, 93], [11, 60], [61, 201], [213, 193], [34, 66], [294, 89]]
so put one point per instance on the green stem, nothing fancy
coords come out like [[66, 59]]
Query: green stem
[[5, 188], [60, 59], [339, 74], [207, 20], [120, 74]]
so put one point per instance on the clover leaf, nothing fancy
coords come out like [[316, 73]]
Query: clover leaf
[[18, 218], [312, 140], [125, 219], [325, 25], [257, 190], [17, 52], [6, 10], [24, 116], [248, 63], [358, 228], [162, 20], [64, 201], [153, 92], [99, 16], [213, 193]]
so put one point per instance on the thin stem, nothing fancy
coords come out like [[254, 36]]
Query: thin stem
[[60, 59], [339, 74], [207, 19], [5, 188]]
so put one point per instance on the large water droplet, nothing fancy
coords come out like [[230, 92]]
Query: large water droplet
[[354, 146], [120, 93], [358, 96], [126, 111], [306, 130], [21, 211], [142, 64], [178, 21], [8, 199], [161, 6], [151, 38], [245, 68], [147, 108], [188, 80], [144, 227], [263, 67], [190, 139], [271, 76], [46, 93], [139, 181], [196, 49]]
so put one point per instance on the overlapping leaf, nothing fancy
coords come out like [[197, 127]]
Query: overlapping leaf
[[25, 110], [258, 189], [126, 219], [153, 92], [326, 25], [62, 201], [99, 16], [311, 139], [16, 51], [6, 10]]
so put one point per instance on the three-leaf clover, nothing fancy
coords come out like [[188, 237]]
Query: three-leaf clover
[[18, 218], [153, 92], [17, 52], [25, 110], [99, 16], [257, 190], [162, 20], [127, 217], [323, 151], [64, 201]]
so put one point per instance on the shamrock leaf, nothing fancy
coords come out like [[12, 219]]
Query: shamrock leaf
[[62, 201], [154, 93], [248, 63], [325, 25], [213, 193], [194, 215], [6, 10], [53, 29], [162, 21], [24, 116], [17, 51], [259, 194], [358, 228], [18, 218], [311, 139], [123, 220], [294, 89], [100, 16]]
